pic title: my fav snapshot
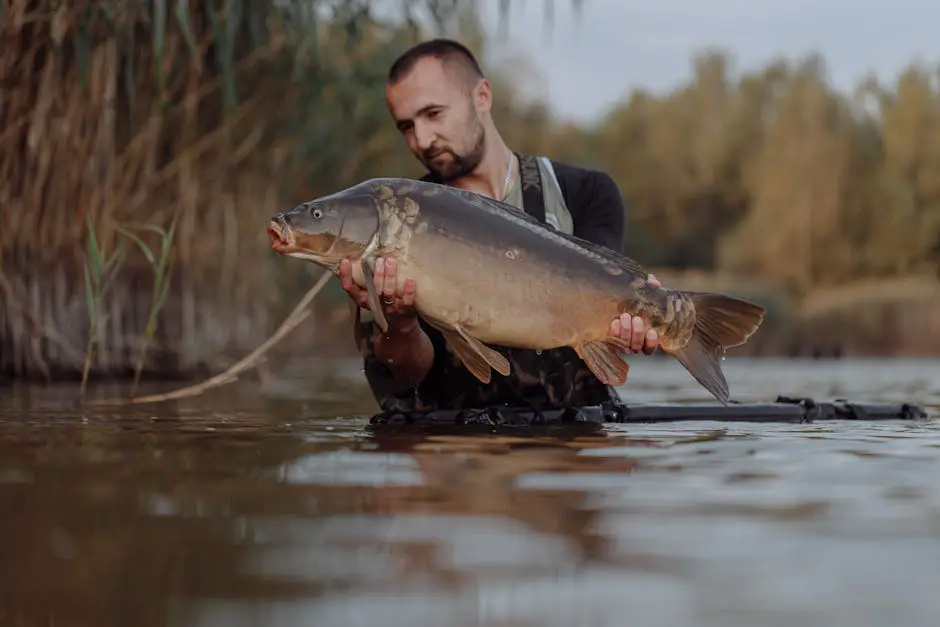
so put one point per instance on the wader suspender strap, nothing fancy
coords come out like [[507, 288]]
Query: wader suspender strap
[[531, 180]]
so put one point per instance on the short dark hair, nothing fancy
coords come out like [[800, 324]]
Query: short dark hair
[[446, 50]]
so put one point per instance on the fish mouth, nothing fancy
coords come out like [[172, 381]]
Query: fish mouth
[[281, 237]]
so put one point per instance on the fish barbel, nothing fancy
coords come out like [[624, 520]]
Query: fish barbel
[[488, 273]]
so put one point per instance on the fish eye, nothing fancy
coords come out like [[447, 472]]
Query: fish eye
[[317, 213]]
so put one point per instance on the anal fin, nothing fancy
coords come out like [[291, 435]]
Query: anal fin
[[604, 359]]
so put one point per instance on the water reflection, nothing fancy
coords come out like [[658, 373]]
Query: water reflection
[[251, 509]]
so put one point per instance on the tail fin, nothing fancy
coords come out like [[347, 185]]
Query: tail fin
[[721, 322]]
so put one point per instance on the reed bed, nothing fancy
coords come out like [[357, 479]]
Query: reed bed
[[161, 136]]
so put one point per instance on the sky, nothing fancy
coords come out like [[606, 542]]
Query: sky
[[585, 65]]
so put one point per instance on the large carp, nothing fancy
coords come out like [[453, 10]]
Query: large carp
[[488, 273]]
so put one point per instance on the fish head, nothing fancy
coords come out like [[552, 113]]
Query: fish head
[[326, 230]]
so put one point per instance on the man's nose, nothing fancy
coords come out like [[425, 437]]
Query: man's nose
[[424, 136]]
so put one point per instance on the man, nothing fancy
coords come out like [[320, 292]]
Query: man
[[441, 102]]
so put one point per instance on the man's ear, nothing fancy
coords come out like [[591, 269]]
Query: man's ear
[[483, 96]]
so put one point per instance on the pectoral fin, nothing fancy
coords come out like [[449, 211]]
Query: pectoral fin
[[375, 305], [474, 354], [605, 360]]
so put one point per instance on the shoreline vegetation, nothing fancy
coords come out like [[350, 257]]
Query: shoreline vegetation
[[143, 146]]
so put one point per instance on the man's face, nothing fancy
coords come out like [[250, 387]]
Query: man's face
[[440, 118]]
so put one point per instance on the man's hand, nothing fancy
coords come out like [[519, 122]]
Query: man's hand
[[406, 349], [398, 305], [632, 329]]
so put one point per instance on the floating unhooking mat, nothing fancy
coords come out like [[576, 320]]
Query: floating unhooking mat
[[783, 409]]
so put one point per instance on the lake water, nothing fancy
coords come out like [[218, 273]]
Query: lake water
[[276, 507]]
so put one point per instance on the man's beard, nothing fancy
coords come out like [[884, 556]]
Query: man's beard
[[460, 165]]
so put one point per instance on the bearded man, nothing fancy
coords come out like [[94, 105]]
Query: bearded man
[[441, 103]]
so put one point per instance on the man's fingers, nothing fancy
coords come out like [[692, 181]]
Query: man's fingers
[[408, 293], [381, 269], [386, 286], [359, 296], [391, 278], [637, 334], [651, 343], [632, 330], [345, 277], [626, 330], [653, 280]]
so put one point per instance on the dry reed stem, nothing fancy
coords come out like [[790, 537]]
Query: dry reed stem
[[296, 316], [49, 333]]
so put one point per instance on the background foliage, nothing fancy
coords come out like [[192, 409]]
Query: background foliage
[[201, 119]]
